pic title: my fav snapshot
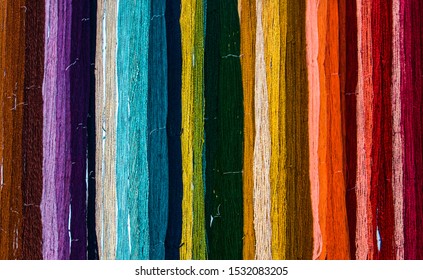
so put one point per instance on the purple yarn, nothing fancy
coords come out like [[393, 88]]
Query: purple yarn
[[48, 202], [63, 160], [66, 90], [79, 98], [56, 135]]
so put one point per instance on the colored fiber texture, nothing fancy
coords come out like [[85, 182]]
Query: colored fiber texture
[[196, 129], [299, 229], [332, 209], [32, 137], [11, 113], [261, 170], [248, 34], [105, 128], [132, 172], [157, 137], [224, 131], [79, 75], [193, 240], [174, 109]]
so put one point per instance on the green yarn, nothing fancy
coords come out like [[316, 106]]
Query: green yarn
[[199, 233], [224, 131]]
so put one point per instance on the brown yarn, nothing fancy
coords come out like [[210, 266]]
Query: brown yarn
[[299, 212], [11, 113], [32, 140]]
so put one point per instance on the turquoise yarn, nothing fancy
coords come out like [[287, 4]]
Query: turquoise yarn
[[132, 137], [157, 136]]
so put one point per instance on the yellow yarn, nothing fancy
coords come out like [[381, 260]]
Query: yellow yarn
[[187, 38], [247, 12], [272, 56], [275, 22]]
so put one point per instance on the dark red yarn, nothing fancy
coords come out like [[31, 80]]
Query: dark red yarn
[[381, 175]]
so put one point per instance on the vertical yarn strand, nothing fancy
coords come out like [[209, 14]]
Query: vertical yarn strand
[[187, 39], [157, 138], [32, 181], [397, 133], [299, 210], [224, 131], [174, 61], [132, 182], [106, 129], [262, 148], [248, 41], [313, 118]]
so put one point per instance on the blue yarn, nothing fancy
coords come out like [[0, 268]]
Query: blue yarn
[[131, 164], [157, 137], [174, 57]]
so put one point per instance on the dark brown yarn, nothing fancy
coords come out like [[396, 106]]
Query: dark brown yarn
[[299, 216], [349, 78], [32, 141]]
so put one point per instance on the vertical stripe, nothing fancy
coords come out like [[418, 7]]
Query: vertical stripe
[[248, 41], [381, 177], [313, 118], [12, 37], [224, 132], [361, 187], [280, 203], [106, 106], [349, 11], [79, 79], [397, 133], [419, 92], [63, 127], [407, 127], [274, 18], [32, 181], [411, 87], [187, 22], [322, 14], [3, 200], [48, 203], [299, 211], [131, 166], [199, 231], [99, 90], [336, 220], [174, 57], [417, 27], [271, 34], [366, 236], [262, 149], [157, 140], [57, 162], [92, 245]]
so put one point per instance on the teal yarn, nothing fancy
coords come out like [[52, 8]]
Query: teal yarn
[[132, 164], [157, 136]]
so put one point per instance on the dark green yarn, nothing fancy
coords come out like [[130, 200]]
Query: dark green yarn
[[224, 131]]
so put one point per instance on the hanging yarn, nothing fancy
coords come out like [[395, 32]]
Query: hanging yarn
[[225, 130]]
